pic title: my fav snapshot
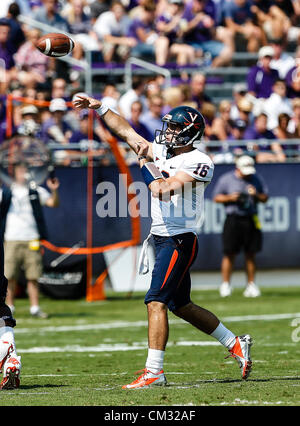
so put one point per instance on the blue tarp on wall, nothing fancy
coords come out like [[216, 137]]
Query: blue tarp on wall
[[280, 216]]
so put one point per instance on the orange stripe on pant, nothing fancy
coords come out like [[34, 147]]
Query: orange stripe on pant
[[171, 265]]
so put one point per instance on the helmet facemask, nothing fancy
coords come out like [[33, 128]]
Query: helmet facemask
[[174, 136]]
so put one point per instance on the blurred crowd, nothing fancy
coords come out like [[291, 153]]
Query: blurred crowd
[[262, 111]]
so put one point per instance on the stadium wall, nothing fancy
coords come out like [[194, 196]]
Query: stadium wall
[[280, 217]]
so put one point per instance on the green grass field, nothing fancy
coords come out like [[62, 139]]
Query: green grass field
[[85, 352]]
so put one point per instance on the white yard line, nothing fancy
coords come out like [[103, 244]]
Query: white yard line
[[135, 324], [119, 347]]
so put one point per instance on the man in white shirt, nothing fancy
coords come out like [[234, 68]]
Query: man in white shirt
[[281, 61], [276, 104], [111, 28], [136, 93], [176, 173], [22, 236]]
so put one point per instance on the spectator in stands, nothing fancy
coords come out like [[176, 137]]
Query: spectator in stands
[[142, 29], [112, 27], [209, 111], [111, 97], [221, 127], [244, 107], [282, 133], [135, 93], [202, 33], [135, 120], [3, 121], [30, 124], [282, 61], [169, 25], [197, 89], [48, 14], [271, 19], [60, 89], [293, 77], [173, 97], [238, 134], [152, 117], [291, 150], [268, 150], [16, 34], [239, 91], [97, 7], [239, 19], [295, 119], [7, 52], [32, 65], [82, 134], [262, 77], [56, 129], [24, 228], [240, 191], [277, 103], [80, 27], [154, 86]]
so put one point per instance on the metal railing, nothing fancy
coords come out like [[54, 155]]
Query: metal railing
[[146, 65]]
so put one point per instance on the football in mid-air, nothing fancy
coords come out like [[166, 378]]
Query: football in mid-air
[[55, 44]]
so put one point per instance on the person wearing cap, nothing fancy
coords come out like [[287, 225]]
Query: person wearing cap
[[261, 77], [56, 129], [238, 127], [239, 91], [30, 125], [240, 191]]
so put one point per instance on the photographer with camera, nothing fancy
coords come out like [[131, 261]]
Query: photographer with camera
[[240, 191]]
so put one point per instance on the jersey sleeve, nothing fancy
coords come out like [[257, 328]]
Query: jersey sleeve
[[199, 166]]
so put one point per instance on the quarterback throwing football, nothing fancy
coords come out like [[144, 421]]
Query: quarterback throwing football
[[176, 173]]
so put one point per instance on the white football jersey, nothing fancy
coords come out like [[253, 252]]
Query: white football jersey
[[184, 212]]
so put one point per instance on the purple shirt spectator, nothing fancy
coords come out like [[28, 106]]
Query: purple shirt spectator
[[136, 24], [6, 54], [253, 134], [292, 77], [78, 136], [261, 81], [200, 33], [239, 14], [142, 130]]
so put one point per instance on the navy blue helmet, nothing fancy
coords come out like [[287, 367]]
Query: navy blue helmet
[[186, 125]]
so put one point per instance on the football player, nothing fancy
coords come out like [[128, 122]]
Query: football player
[[10, 362], [176, 173]]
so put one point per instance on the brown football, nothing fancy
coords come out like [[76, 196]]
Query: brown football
[[55, 44]]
